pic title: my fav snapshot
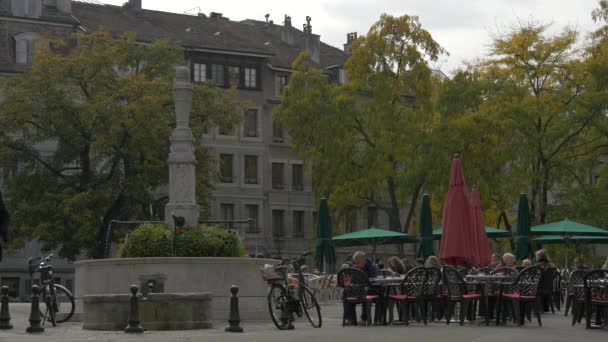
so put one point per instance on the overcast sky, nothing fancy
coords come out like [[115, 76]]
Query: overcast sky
[[462, 27]]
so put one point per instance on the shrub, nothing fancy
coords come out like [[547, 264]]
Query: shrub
[[203, 241], [148, 240]]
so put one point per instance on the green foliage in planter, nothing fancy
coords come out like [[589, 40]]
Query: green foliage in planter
[[203, 241], [148, 240], [207, 241]]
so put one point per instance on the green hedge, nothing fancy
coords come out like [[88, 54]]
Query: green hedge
[[202, 241]]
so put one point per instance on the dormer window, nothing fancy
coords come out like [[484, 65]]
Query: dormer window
[[24, 47], [26, 8]]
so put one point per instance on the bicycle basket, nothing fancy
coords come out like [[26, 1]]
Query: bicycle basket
[[273, 273]]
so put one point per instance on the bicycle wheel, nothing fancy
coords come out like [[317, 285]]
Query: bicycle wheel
[[64, 304], [311, 307], [276, 306]]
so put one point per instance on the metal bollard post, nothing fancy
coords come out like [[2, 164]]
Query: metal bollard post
[[234, 318], [134, 326], [35, 318], [5, 316]]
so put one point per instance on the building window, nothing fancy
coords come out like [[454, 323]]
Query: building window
[[277, 176], [297, 177], [252, 212], [277, 132], [372, 217], [27, 8], [217, 74], [298, 223], [315, 220], [13, 286], [227, 211], [226, 129], [24, 47], [251, 78], [200, 72], [251, 170], [351, 220], [280, 84], [234, 76], [278, 224], [226, 175], [251, 123], [342, 77]]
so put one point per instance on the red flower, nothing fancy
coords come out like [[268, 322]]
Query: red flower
[[178, 230]]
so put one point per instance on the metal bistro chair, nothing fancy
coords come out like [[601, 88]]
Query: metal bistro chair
[[411, 293], [495, 289], [432, 292], [596, 296], [576, 295], [355, 284], [556, 292], [525, 291], [456, 293]]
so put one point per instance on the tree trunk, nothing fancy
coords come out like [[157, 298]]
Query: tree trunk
[[544, 191], [112, 214], [395, 221], [413, 203]]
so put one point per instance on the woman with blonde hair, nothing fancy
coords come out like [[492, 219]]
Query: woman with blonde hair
[[432, 262], [396, 265]]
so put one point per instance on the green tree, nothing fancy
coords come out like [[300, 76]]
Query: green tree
[[84, 138], [370, 140], [538, 91]]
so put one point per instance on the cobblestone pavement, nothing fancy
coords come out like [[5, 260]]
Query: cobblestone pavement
[[555, 328]]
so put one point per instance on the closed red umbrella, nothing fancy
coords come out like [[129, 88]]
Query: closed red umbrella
[[480, 238], [457, 247]]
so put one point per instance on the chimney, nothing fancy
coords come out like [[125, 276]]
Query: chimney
[[135, 4], [312, 42], [287, 33], [350, 38], [64, 6]]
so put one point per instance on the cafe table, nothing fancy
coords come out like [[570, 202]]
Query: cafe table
[[483, 282], [386, 284]]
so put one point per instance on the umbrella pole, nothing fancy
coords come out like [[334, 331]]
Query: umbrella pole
[[567, 247]]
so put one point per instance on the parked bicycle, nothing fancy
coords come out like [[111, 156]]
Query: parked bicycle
[[59, 300], [286, 298]]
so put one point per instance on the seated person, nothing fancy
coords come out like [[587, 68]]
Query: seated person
[[396, 265], [366, 265], [579, 264], [508, 260]]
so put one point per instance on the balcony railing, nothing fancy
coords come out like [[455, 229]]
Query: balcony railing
[[277, 186], [297, 187], [278, 139], [251, 180]]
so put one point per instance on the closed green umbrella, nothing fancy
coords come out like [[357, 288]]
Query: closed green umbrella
[[426, 229], [523, 247], [324, 253], [372, 237]]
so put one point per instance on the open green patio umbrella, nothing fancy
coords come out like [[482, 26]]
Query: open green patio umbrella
[[426, 229], [491, 232], [578, 238], [523, 247], [372, 237], [325, 254], [568, 229]]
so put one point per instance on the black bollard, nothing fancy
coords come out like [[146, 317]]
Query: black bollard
[[5, 316], [235, 318], [133, 326], [35, 318]]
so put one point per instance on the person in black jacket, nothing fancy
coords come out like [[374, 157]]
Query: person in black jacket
[[4, 219]]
